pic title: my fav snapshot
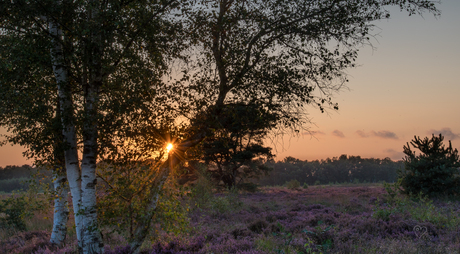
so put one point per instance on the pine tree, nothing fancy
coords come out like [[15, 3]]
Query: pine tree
[[434, 171]]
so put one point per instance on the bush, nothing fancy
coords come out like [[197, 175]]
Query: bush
[[15, 209], [125, 200], [434, 172], [293, 184], [202, 191], [12, 210]]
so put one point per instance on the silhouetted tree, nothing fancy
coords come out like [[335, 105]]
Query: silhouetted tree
[[235, 151], [434, 171]]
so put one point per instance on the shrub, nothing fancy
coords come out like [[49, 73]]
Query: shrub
[[126, 197], [202, 191], [13, 210], [433, 172], [16, 208], [293, 184]]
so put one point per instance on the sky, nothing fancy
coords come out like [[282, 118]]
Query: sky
[[406, 85]]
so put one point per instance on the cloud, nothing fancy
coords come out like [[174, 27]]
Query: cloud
[[362, 134], [385, 134], [446, 132], [338, 133], [394, 155], [313, 133], [379, 134]]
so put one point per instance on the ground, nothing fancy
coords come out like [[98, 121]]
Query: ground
[[319, 219]]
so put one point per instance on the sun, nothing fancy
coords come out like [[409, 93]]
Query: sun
[[169, 147]]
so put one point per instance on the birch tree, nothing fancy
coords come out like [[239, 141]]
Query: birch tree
[[34, 120], [93, 49]]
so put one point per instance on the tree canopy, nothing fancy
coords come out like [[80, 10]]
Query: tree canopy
[[284, 55]]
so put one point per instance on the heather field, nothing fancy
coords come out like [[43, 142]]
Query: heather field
[[317, 219]]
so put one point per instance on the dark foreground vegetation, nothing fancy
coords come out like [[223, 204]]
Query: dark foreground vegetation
[[353, 218]]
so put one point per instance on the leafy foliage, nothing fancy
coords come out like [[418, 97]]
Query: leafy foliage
[[202, 190], [284, 55], [20, 206], [125, 197], [84, 76], [435, 171], [13, 211]]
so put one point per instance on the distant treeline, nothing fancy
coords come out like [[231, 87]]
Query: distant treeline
[[15, 178], [10, 172], [344, 169]]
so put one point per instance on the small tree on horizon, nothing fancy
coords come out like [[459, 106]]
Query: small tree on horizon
[[434, 171], [235, 151]]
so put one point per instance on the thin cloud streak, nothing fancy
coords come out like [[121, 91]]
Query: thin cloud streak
[[338, 133], [385, 134], [362, 134], [446, 132], [379, 134], [313, 133]]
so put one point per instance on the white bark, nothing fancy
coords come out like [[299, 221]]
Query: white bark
[[61, 210], [92, 240], [67, 116]]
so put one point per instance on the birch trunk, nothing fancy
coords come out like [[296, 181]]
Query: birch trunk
[[92, 240], [67, 119], [61, 210]]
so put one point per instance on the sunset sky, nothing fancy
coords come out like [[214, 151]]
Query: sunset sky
[[408, 85]]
